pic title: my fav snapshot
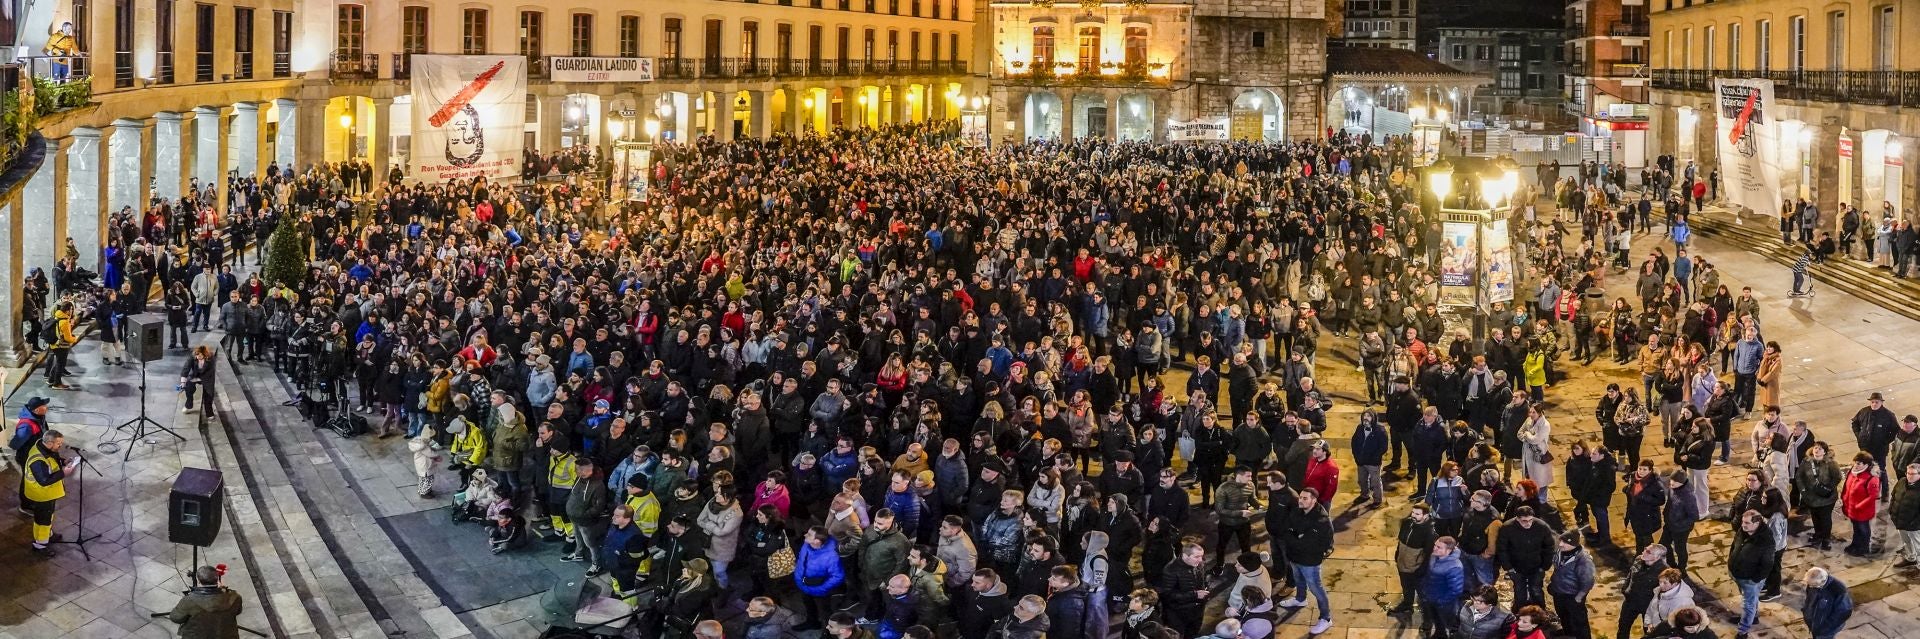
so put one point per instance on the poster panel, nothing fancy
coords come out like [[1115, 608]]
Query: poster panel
[[469, 112], [973, 129], [1497, 255], [1459, 263], [630, 175]]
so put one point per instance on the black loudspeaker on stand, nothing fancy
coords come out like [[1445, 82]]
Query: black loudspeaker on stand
[[194, 513], [146, 335], [144, 342], [194, 509]]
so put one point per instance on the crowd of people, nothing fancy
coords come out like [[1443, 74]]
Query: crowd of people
[[878, 382]]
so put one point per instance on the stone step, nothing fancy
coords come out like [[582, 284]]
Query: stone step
[[1857, 278]]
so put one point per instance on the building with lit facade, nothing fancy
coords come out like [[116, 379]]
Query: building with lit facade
[[1124, 69], [1845, 91], [1380, 23], [1606, 76], [170, 93]]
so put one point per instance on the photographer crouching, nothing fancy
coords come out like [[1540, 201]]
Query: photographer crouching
[[209, 610]]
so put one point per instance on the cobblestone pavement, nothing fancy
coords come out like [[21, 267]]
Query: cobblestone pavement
[[134, 572], [1838, 350], [318, 517]]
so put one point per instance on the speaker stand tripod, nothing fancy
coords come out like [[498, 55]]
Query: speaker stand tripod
[[80, 537], [142, 424]]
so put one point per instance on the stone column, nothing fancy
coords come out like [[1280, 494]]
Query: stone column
[[898, 111], [310, 127], [209, 133], [12, 271], [1113, 116], [169, 163], [44, 208], [243, 158], [759, 114], [1066, 116], [381, 146], [553, 109], [720, 115], [126, 165], [797, 115], [287, 137], [1162, 109], [1013, 107], [86, 191], [224, 158]]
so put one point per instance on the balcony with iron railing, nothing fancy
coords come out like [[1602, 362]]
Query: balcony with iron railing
[[1626, 29], [1620, 68], [755, 68], [1063, 72], [355, 66], [1889, 88]]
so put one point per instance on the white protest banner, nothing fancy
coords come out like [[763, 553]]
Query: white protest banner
[[469, 112], [1201, 129], [1749, 143]]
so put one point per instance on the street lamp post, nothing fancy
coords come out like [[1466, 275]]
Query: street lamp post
[[346, 129], [1465, 262]]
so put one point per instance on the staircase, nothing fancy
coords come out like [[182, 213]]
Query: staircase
[[1857, 278]]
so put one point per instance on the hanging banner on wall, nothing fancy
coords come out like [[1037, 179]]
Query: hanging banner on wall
[[1459, 263], [1201, 129], [1497, 253], [574, 69], [469, 112], [1749, 143], [630, 164]]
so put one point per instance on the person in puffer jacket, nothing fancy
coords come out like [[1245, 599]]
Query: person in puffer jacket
[[1441, 588], [818, 574]]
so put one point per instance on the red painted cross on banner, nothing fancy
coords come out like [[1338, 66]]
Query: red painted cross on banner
[[465, 95]]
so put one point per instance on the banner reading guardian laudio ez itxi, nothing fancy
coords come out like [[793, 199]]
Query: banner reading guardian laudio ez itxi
[[468, 115], [1748, 139]]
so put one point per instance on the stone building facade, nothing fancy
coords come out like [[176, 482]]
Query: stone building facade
[[1258, 64], [1845, 85]]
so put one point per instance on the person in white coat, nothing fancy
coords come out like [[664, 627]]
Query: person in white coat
[[1672, 594], [1537, 435]]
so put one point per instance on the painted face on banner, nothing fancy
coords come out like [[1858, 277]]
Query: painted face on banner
[[466, 139]]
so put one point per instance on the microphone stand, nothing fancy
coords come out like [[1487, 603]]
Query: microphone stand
[[80, 537]]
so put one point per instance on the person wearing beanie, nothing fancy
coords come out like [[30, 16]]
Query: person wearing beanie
[[1572, 581], [1678, 518]]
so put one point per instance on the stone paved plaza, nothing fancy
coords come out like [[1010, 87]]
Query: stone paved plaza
[[331, 532]]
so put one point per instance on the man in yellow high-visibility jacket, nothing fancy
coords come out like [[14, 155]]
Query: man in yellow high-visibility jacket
[[43, 482], [561, 475]]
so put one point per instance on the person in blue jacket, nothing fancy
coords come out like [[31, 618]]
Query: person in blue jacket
[[1442, 588], [818, 574], [1828, 605], [841, 463], [905, 502]]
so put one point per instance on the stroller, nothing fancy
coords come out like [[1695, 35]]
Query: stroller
[[580, 608]]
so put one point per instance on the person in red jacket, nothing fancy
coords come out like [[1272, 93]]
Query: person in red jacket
[[1860, 501], [1323, 474]]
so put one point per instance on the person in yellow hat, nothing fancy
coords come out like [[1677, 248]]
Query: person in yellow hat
[[42, 483]]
